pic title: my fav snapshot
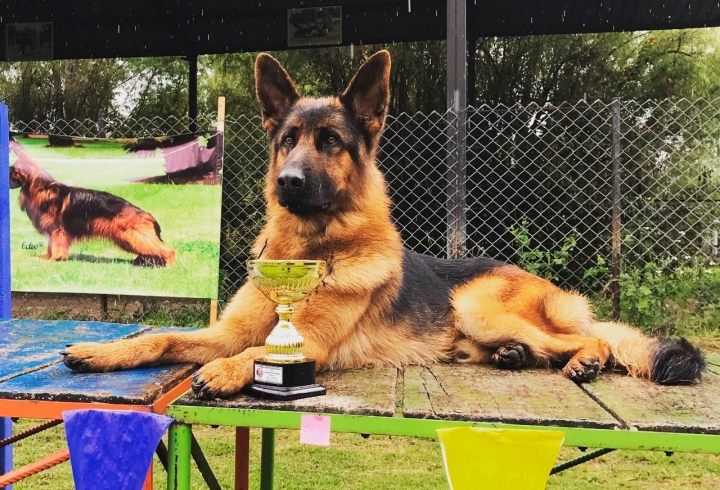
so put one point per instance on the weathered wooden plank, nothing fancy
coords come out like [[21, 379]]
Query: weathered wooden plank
[[713, 358], [58, 383], [26, 345], [488, 394], [648, 406], [29, 352], [356, 391]]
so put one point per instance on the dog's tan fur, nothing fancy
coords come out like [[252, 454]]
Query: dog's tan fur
[[355, 317]]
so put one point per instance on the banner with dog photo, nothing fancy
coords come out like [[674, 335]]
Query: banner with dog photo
[[137, 216]]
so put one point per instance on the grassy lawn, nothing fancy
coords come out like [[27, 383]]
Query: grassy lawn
[[38, 147], [383, 462], [189, 216]]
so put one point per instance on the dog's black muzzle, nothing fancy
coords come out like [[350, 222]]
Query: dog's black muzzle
[[302, 191], [14, 180]]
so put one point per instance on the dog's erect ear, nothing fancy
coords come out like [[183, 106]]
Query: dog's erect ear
[[276, 92], [368, 95]]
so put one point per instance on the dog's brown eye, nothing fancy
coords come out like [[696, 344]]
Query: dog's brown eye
[[331, 140], [289, 141]]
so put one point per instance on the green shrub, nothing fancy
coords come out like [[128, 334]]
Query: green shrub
[[540, 262], [668, 299]]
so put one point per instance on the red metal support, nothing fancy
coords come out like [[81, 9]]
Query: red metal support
[[34, 467], [27, 433]]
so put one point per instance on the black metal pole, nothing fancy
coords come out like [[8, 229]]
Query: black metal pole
[[471, 48], [615, 197], [457, 119], [192, 91], [582, 459], [203, 465]]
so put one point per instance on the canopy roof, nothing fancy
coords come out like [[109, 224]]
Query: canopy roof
[[103, 28]]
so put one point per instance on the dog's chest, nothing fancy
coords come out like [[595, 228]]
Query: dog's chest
[[40, 212]]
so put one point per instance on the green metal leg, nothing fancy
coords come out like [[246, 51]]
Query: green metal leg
[[267, 459], [179, 444]]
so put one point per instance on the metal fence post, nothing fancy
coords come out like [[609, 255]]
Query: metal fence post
[[615, 198], [192, 92], [101, 125], [457, 127]]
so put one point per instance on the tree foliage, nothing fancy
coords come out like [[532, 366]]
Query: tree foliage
[[541, 69], [59, 89]]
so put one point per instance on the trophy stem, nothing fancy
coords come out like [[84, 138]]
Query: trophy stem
[[285, 311], [284, 344]]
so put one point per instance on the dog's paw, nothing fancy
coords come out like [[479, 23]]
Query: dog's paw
[[89, 357], [149, 261], [221, 378], [582, 370], [511, 356]]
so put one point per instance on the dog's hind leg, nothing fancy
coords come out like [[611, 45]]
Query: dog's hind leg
[[507, 314], [143, 240], [585, 356]]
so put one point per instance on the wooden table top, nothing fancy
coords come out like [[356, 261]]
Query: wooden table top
[[487, 394], [33, 377]]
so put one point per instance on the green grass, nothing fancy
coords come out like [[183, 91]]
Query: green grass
[[96, 165], [38, 147], [383, 462], [189, 216]]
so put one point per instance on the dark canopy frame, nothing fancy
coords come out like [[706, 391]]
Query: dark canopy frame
[[103, 28], [132, 28]]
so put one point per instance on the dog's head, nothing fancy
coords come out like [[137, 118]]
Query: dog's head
[[320, 148], [25, 169], [17, 177]]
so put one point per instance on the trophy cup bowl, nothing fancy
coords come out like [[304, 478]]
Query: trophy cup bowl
[[285, 373]]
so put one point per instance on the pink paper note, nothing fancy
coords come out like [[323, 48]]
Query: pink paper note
[[315, 429]]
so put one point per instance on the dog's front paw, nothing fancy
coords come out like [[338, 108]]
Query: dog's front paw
[[221, 378], [90, 357]]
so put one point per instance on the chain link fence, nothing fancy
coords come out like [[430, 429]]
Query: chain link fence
[[541, 186]]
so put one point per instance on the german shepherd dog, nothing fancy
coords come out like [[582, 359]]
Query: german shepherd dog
[[379, 303], [67, 214]]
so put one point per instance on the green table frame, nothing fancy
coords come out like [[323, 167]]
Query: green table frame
[[269, 420], [610, 405]]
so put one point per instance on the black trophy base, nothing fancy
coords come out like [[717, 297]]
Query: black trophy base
[[284, 381], [283, 393]]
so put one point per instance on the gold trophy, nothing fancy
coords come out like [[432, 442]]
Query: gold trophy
[[284, 373]]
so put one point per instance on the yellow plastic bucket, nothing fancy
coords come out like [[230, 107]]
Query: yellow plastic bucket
[[510, 459]]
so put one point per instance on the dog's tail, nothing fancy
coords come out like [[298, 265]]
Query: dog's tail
[[666, 362]]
